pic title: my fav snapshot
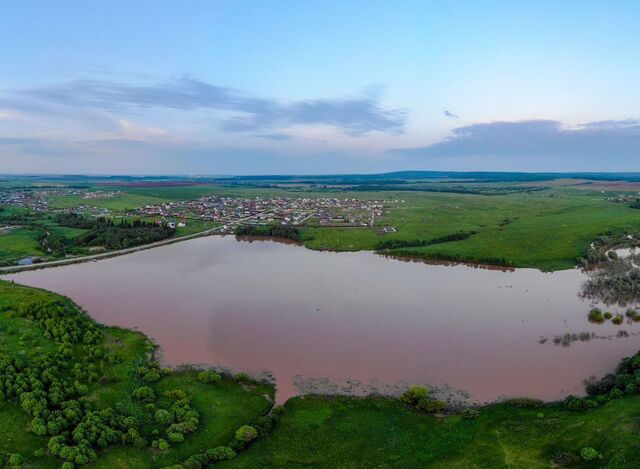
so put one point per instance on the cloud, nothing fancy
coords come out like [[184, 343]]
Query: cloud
[[274, 136], [451, 114], [125, 156], [537, 138], [353, 116]]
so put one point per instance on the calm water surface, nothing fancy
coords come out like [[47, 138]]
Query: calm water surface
[[348, 322]]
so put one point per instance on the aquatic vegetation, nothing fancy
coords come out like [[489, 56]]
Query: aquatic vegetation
[[617, 282], [632, 314], [608, 315], [596, 316], [618, 319]]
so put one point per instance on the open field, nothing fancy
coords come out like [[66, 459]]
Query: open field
[[118, 202], [18, 243]]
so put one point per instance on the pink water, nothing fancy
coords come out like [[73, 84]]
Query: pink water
[[347, 322]]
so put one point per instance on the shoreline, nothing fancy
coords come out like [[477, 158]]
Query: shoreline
[[105, 255]]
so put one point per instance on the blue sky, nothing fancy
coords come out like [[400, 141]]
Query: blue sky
[[254, 87]]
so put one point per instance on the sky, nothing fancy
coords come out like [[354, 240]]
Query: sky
[[308, 87]]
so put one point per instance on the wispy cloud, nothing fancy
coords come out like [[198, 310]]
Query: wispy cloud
[[537, 138], [451, 114], [274, 136], [353, 116]]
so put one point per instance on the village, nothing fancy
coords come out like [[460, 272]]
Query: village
[[230, 211]]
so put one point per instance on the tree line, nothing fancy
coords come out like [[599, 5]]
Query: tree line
[[273, 231], [105, 232], [411, 243]]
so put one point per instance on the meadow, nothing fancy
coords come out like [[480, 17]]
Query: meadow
[[343, 432]]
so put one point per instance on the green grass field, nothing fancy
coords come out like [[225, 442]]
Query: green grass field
[[382, 433], [18, 243], [547, 230], [119, 202]]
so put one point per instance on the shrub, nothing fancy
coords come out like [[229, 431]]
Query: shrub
[[595, 315], [470, 413], [431, 405], [175, 437], [144, 393], [413, 395], [15, 459], [163, 445], [589, 454], [618, 319], [563, 458], [67, 465], [163, 417], [246, 433], [220, 453], [175, 394], [608, 315], [151, 377], [244, 378], [601, 386], [525, 402], [209, 376]]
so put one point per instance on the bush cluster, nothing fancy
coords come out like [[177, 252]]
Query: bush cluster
[[49, 387], [418, 397]]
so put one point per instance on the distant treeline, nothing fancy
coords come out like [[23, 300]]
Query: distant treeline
[[110, 235], [635, 204], [273, 231], [413, 243], [446, 189]]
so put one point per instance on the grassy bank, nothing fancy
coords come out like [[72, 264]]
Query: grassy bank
[[346, 432]]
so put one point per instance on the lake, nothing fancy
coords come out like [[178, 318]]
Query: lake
[[349, 322]]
